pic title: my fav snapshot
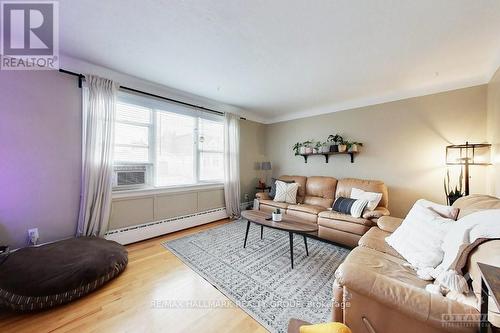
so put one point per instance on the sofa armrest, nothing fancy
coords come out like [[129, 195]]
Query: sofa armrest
[[376, 213], [389, 223], [262, 196], [395, 294]]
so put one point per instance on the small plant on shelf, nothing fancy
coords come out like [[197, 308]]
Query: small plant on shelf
[[317, 147], [336, 140], [297, 148], [353, 146], [308, 148]]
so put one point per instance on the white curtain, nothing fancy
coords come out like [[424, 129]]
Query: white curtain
[[98, 124], [232, 164]]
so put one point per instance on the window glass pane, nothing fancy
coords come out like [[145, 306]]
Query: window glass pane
[[175, 149], [126, 134], [211, 135], [132, 113], [131, 154], [211, 166]]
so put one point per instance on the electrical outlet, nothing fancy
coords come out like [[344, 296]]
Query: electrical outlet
[[246, 196], [33, 236]]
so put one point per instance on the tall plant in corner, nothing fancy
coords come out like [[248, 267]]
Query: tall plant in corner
[[452, 194]]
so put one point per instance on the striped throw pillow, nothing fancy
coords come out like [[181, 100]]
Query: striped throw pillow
[[353, 207]]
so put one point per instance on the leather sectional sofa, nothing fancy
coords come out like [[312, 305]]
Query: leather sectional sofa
[[376, 290], [316, 195]]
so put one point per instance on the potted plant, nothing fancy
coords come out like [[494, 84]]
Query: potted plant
[[277, 216], [297, 148], [336, 140], [325, 147], [342, 146], [353, 146], [308, 149], [317, 147], [453, 194]]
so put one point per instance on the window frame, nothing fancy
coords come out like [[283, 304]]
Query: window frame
[[151, 165]]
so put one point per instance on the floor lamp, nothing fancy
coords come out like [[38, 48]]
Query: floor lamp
[[466, 155]]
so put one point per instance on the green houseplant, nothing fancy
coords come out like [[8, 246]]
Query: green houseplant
[[335, 140], [297, 148], [308, 149], [352, 146]]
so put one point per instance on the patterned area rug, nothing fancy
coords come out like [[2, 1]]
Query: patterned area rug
[[259, 278]]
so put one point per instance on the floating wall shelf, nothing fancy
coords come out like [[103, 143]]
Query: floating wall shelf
[[327, 155]]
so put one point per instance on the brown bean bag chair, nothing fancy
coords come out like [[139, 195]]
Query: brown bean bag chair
[[35, 278]]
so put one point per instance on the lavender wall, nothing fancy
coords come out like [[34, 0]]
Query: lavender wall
[[40, 155]]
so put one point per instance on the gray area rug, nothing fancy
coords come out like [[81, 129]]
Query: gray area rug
[[259, 278]]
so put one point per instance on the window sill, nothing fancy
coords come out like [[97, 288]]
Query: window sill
[[165, 190]]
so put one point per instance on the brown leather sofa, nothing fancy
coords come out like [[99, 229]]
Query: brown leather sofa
[[316, 195], [376, 291]]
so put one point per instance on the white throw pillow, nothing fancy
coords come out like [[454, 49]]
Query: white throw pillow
[[420, 236], [286, 192], [372, 197], [482, 224], [445, 211]]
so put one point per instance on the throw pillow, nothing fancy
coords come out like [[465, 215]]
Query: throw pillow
[[372, 197], [419, 238], [272, 192], [445, 211], [286, 192], [353, 207]]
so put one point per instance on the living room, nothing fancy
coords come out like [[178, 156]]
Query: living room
[[280, 166]]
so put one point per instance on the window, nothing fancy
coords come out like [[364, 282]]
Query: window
[[173, 145]]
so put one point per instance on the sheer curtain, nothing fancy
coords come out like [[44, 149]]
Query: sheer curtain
[[232, 164], [98, 124]]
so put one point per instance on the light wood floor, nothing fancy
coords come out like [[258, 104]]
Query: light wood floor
[[126, 303]]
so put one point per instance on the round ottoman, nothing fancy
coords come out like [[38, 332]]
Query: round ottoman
[[36, 278]]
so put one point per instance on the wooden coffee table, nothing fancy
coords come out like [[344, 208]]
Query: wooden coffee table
[[290, 224]]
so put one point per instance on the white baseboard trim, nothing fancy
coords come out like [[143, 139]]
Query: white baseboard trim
[[154, 229]]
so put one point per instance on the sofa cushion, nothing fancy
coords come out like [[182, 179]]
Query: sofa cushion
[[353, 228], [383, 264], [345, 186], [272, 203], [475, 202], [311, 209], [375, 239], [320, 191], [344, 217], [301, 180]]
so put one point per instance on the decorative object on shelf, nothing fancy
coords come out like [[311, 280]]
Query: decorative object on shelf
[[468, 154], [297, 148], [453, 194], [342, 147], [353, 146], [277, 216], [336, 140], [308, 149], [317, 147], [325, 147]]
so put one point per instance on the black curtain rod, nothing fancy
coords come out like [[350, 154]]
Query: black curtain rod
[[81, 77]]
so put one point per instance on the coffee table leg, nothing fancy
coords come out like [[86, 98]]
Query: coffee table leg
[[261, 231], [246, 234], [291, 247], [305, 243]]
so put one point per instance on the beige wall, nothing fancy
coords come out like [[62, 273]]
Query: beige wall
[[494, 132], [134, 210], [252, 150], [404, 143]]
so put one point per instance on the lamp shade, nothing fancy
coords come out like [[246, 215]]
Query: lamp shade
[[469, 153], [266, 166]]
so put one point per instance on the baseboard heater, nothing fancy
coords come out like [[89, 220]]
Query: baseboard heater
[[154, 229]]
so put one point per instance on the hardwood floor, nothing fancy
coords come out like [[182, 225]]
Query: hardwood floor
[[153, 276]]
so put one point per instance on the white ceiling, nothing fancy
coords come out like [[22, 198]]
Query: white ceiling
[[284, 59]]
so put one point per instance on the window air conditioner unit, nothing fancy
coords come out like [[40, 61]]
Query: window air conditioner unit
[[130, 176]]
